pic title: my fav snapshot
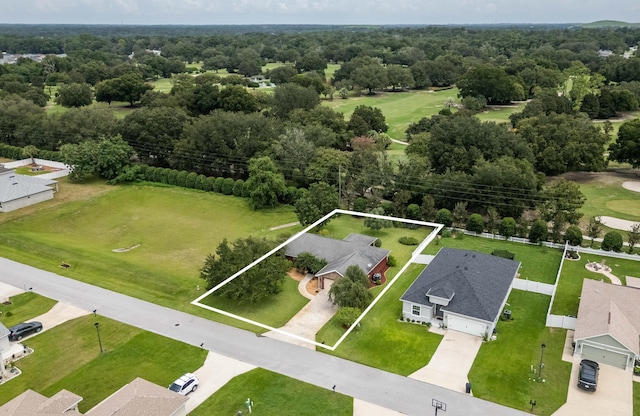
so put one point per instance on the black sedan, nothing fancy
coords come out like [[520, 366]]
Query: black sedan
[[17, 332]]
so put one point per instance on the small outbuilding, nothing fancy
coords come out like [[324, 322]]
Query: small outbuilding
[[608, 324], [462, 290]]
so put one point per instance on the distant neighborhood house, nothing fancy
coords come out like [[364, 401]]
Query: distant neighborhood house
[[355, 249], [608, 324], [18, 191], [8, 58], [463, 290], [140, 397]]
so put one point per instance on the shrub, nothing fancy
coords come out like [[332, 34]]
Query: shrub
[[612, 241], [190, 180], [391, 261], [475, 223], [507, 227], [573, 235], [413, 212], [503, 253], [290, 195], [217, 185], [539, 231], [377, 243], [347, 315], [238, 188], [227, 186], [408, 241], [444, 216], [172, 177], [209, 183], [181, 179], [201, 182], [446, 233], [360, 204], [387, 207], [164, 175]]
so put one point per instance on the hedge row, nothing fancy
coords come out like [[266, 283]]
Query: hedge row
[[15, 152], [191, 180]]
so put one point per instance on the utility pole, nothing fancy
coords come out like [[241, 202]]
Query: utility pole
[[339, 184]]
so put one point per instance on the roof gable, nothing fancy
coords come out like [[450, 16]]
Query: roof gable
[[481, 282], [14, 186], [609, 309]]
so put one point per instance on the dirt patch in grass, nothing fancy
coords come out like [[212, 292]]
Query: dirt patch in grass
[[608, 177], [295, 275], [312, 286]]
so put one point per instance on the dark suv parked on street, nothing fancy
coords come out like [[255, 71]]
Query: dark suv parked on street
[[588, 375], [17, 332]]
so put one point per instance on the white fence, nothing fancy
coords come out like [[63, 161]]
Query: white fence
[[559, 321], [531, 286], [512, 239], [599, 252]]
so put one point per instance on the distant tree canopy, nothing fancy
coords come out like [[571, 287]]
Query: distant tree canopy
[[256, 284]]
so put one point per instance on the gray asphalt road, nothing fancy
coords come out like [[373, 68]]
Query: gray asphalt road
[[365, 383]]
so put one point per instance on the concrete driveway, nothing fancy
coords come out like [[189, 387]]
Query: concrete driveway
[[60, 313], [8, 291], [613, 397], [451, 362], [216, 371], [309, 320]]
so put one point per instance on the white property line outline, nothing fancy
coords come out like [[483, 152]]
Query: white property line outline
[[416, 252]]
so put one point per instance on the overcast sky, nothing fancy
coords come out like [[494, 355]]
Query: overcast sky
[[316, 11]]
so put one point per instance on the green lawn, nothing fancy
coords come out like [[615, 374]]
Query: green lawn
[[502, 372], [175, 227], [275, 311], [162, 85], [24, 307], [569, 287], [538, 263], [383, 341], [574, 272], [274, 394], [68, 357], [500, 114], [26, 170], [636, 399]]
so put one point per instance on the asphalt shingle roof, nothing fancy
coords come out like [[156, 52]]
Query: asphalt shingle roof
[[339, 254], [14, 186], [476, 283]]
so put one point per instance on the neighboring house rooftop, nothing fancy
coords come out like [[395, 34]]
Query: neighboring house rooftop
[[140, 397], [339, 254], [609, 309], [14, 186], [4, 332], [476, 284], [31, 403]]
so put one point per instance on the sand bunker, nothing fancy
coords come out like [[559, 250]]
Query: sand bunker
[[631, 185], [617, 223]]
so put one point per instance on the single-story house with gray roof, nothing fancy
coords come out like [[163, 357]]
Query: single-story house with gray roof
[[355, 249], [18, 191], [5, 345], [608, 324], [463, 290]]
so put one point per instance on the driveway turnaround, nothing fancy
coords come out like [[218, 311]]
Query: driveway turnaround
[[391, 391], [216, 371], [451, 362], [613, 397], [361, 408]]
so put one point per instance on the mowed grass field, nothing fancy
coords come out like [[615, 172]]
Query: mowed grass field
[[399, 108], [175, 229]]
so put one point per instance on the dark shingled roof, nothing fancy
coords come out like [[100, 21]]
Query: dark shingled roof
[[480, 282], [339, 254]]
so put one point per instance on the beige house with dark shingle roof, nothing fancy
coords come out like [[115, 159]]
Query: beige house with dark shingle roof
[[608, 325]]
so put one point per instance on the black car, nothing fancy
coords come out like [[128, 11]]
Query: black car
[[588, 376], [17, 332]]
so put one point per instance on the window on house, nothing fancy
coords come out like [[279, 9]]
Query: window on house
[[415, 310]]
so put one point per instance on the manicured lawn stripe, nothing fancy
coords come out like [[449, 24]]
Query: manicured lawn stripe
[[502, 372], [274, 394]]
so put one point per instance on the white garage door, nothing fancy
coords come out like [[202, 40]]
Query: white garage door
[[604, 357], [467, 326]]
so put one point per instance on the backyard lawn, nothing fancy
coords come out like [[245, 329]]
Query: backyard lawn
[[383, 341], [274, 394], [68, 357], [569, 288], [538, 263], [636, 399], [502, 372]]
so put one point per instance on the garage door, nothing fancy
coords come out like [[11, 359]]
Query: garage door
[[467, 326], [604, 357]]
